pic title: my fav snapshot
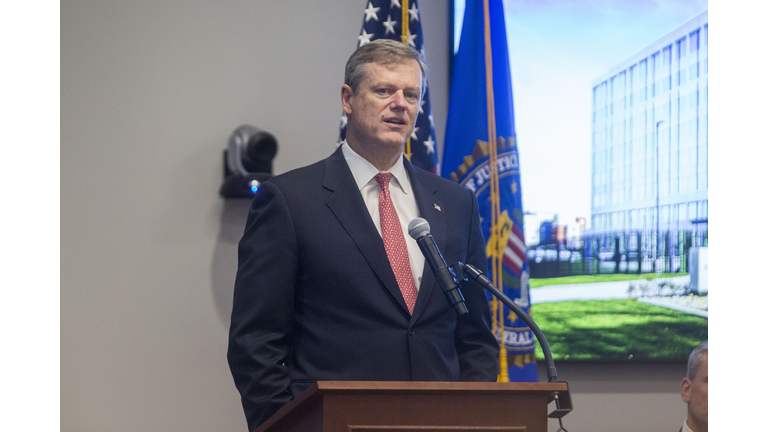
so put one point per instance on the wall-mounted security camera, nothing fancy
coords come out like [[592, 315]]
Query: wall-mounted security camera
[[247, 161]]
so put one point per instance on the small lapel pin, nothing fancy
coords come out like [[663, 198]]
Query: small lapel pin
[[437, 207]]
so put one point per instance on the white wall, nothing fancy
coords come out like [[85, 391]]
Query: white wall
[[609, 397], [150, 91]]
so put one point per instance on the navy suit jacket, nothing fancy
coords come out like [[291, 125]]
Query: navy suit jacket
[[316, 299]]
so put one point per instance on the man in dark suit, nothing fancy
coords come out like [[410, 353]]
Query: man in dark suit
[[694, 390], [329, 284]]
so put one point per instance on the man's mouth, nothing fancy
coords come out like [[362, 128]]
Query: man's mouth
[[394, 120]]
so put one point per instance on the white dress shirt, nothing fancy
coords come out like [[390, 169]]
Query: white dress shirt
[[401, 193], [685, 427]]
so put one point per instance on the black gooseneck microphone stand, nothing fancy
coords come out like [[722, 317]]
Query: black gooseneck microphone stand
[[563, 402], [450, 277]]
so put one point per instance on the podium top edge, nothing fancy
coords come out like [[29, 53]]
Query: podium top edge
[[438, 386]]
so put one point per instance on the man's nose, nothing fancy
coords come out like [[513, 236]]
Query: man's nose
[[399, 101]]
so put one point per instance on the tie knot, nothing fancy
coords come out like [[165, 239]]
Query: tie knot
[[383, 179]]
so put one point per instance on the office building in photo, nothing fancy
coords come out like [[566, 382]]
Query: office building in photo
[[649, 137]]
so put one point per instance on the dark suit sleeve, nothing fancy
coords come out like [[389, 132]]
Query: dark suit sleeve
[[475, 343], [262, 312]]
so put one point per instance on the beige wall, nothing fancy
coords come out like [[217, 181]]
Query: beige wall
[[150, 91]]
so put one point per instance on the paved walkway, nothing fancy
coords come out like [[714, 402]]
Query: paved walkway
[[589, 291], [692, 305]]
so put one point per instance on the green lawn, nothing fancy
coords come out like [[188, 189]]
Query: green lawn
[[617, 330], [535, 283]]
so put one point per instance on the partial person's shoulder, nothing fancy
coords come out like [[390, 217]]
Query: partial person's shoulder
[[302, 176]]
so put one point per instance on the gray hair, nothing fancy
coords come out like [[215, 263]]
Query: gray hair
[[384, 52], [694, 361]]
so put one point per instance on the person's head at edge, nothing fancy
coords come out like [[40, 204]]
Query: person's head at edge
[[384, 82], [693, 389]]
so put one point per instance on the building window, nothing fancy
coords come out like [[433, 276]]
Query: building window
[[706, 34], [667, 56], [613, 81], [694, 37], [594, 98], [680, 48], [694, 70], [622, 82], [604, 93]]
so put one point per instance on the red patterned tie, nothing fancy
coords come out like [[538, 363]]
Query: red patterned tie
[[394, 242]]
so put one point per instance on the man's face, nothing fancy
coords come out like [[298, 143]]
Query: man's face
[[694, 392], [382, 112]]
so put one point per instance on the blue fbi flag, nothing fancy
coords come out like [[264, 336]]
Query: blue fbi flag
[[383, 19], [469, 156]]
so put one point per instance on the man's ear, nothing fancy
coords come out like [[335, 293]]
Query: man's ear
[[685, 389], [346, 98]]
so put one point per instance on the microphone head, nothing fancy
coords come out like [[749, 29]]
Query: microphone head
[[418, 227]]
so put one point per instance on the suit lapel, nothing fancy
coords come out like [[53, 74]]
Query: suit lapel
[[429, 206], [347, 205]]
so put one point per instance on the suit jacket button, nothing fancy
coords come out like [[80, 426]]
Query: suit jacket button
[[411, 332]]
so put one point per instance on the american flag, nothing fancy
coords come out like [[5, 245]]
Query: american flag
[[514, 252], [383, 19]]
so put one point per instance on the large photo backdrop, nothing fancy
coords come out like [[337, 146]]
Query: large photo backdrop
[[610, 136]]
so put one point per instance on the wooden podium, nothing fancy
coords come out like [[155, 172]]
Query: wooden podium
[[392, 406]]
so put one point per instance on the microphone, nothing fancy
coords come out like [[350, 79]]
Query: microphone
[[419, 230]]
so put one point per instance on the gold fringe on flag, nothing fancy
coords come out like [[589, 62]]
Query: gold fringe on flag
[[520, 360], [494, 194]]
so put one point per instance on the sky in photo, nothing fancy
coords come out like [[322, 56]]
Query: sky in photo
[[557, 48]]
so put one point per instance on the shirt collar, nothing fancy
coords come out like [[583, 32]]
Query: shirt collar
[[685, 426], [364, 171]]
